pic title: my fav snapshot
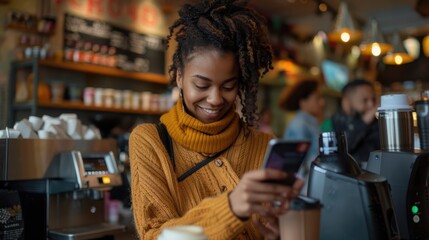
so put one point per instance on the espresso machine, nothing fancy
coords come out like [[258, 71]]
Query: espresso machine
[[356, 203], [406, 169], [61, 184]]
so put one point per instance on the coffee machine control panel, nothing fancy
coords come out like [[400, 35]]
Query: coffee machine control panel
[[87, 170]]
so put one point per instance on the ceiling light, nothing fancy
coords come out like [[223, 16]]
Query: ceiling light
[[399, 55], [375, 49], [373, 43], [344, 30], [323, 7], [345, 36]]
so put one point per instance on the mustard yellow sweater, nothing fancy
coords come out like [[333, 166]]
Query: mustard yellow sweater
[[159, 201]]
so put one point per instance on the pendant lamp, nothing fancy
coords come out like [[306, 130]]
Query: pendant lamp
[[399, 55], [373, 43], [344, 30]]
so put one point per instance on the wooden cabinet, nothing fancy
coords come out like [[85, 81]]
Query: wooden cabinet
[[33, 73]]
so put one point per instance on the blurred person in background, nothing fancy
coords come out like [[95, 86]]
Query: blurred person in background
[[356, 117], [304, 98]]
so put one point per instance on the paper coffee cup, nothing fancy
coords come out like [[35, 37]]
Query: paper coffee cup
[[74, 128], [36, 122], [45, 134], [25, 128], [9, 133], [302, 221]]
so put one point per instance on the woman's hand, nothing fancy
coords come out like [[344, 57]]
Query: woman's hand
[[369, 116], [254, 195]]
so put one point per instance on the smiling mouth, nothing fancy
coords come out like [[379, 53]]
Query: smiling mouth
[[211, 111]]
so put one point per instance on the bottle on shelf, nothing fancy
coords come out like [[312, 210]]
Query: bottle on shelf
[[111, 58], [103, 55], [95, 54], [69, 50], [87, 53], [78, 52]]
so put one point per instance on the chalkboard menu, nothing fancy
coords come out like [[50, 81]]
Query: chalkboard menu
[[129, 50]]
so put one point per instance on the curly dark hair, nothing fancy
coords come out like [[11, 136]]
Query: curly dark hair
[[228, 26], [291, 97]]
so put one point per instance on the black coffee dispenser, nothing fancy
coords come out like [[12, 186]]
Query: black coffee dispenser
[[406, 169], [357, 203]]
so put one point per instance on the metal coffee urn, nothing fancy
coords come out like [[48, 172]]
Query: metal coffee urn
[[61, 184], [406, 169]]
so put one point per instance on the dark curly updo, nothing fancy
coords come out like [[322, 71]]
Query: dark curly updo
[[228, 26], [291, 97]]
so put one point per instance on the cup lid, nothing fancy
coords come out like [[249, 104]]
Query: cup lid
[[189, 232], [395, 102]]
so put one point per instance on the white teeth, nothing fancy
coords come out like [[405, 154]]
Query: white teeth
[[211, 111]]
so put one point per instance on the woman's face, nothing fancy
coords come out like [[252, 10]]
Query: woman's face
[[209, 82]]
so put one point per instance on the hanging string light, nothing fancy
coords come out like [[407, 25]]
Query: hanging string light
[[399, 55], [344, 30], [373, 43]]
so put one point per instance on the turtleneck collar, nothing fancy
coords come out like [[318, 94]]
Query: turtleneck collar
[[206, 138]]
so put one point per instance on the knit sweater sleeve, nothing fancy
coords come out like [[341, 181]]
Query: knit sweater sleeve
[[155, 198]]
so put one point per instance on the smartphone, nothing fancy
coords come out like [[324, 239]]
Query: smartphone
[[286, 155]]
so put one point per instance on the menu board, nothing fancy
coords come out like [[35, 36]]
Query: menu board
[[132, 51]]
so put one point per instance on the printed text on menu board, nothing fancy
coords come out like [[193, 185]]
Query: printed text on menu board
[[133, 51]]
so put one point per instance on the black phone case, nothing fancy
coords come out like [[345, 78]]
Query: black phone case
[[286, 155]]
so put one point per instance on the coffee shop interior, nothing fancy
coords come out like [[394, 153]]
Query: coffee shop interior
[[76, 76]]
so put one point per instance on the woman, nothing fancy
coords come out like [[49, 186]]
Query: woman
[[304, 98], [222, 51]]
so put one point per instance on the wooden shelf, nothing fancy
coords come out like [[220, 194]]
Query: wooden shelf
[[107, 71], [78, 105], [23, 105], [32, 30], [39, 107], [95, 69]]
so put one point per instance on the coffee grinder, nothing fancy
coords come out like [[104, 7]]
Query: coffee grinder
[[406, 169], [356, 203]]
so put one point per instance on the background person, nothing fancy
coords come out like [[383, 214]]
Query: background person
[[304, 98], [356, 118], [222, 52]]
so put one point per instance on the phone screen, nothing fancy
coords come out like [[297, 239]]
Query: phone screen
[[286, 156]]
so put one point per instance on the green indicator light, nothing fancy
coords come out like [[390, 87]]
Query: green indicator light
[[414, 209]]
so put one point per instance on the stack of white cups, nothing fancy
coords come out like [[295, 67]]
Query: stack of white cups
[[66, 126]]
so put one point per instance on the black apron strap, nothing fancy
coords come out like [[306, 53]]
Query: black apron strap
[[198, 166], [166, 140]]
